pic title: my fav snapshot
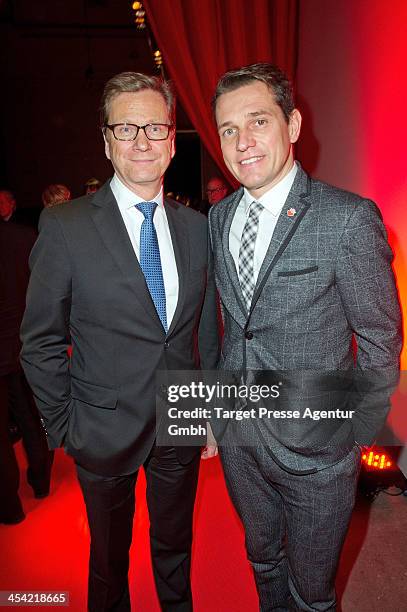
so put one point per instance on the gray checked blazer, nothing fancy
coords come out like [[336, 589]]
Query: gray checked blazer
[[325, 311]]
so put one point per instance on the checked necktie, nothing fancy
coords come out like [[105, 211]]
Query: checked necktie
[[150, 260], [246, 252]]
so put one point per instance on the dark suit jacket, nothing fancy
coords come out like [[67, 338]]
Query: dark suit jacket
[[87, 285], [326, 279], [16, 242]]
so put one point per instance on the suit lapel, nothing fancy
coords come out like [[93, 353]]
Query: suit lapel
[[228, 259], [108, 220], [297, 203], [181, 246]]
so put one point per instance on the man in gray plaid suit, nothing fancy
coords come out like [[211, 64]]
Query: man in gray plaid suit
[[304, 275]]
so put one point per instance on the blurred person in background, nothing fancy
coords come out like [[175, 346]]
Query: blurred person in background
[[55, 194], [7, 205], [92, 185], [16, 403], [216, 190]]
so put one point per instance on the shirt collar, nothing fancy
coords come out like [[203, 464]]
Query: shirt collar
[[274, 199], [127, 199]]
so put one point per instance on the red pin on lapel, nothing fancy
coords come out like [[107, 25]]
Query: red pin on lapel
[[291, 212]]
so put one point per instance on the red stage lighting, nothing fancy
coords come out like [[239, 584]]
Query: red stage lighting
[[379, 461], [380, 472]]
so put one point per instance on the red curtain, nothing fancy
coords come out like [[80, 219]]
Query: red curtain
[[202, 39]]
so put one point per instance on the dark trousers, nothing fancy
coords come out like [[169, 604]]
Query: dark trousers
[[295, 526], [9, 473], [16, 401], [110, 504]]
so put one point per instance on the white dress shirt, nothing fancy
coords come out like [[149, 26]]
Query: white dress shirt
[[133, 219], [273, 202]]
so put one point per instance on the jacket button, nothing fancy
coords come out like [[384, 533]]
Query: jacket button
[[166, 345], [248, 335]]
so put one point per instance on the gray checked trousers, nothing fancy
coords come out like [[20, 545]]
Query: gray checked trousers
[[295, 525]]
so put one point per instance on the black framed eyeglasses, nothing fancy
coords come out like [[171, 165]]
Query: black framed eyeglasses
[[129, 131]]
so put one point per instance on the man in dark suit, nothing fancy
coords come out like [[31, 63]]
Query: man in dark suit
[[303, 270], [16, 402], [124, 275]]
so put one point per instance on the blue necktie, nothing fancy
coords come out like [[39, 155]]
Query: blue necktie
[[150, 260]]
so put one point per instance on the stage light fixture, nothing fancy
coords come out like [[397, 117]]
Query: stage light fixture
[[140, 20], [158, 58], [381, 461], [379, 472], [140, 15]]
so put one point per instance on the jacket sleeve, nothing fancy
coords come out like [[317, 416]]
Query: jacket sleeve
[[208, 335], [367, 288], [45, 327]]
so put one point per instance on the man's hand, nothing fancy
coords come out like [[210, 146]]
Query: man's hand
[[211, 448], [209, 452]]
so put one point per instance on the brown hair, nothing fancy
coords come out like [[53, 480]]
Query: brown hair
[[133, 82], [275, 79]]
